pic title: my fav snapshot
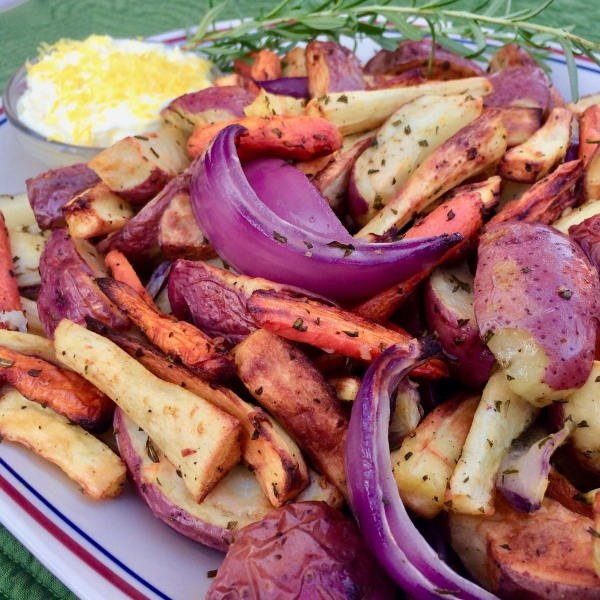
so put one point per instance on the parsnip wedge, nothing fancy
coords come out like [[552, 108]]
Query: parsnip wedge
[[353, 112], [500, 418], [198, 438], [27, 343], [99, 471]]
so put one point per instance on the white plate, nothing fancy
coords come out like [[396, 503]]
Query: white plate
[[117, 549]]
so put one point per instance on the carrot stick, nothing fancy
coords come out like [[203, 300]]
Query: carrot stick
[[122, 271], [11, 311]]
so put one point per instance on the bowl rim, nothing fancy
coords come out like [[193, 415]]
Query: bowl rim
[[13, 117]]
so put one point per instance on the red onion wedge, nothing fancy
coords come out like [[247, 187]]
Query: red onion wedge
[[256, 242], [374, 497], [296, 87], [159, 278], [523, 476]]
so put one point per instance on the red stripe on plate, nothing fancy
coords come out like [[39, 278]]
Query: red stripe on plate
[[68, 542]]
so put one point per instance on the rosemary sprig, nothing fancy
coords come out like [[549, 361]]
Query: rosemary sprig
[[292, 21]]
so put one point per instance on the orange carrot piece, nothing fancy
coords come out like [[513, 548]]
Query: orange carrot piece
[[589, 133], [287, 137], [122, 271], [328, 327], [10, 300], [266, 66]]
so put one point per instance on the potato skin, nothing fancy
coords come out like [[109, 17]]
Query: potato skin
[[532, 277], [289, 544], [520, 86]]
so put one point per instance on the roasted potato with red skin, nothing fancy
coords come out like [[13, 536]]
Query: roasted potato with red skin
[[207, 106], [332, 68], [584, 102], [509, 57], [587, 235], [292, 542], [589, 132], [68, 290], [286, 137], [138, 240], [410, 55], [266, 66], [529, 278], [544, 555], [520, 122], [449, 297], [51, 190], [293, 64], [380, 81]]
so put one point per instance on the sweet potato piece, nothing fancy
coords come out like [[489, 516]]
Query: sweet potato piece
[[544, 555], [266, 66], [461, 214], [310, 322], [332, 68], [423, 465], [138, 240], [509, 57], [411, 54], [363, 110], [200, 440], [579, 107], [591, 186], [204, 356], [137, 168], [179, 234], [284, 381], [521, 86], [520, 123], [121, 270], [65, 392], [207, 106], [589, 133], [50, 191], [469, 152], [545, 201], [96, 212], [535, 158], [287, 137], [85, 459], [266, 448], [294, 63]]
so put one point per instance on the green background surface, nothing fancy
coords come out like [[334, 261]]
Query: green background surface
[[21, 30]]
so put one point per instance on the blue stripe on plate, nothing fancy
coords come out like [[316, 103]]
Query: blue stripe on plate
[[82, 533]]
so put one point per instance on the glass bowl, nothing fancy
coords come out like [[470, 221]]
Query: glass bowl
[[53, 154]]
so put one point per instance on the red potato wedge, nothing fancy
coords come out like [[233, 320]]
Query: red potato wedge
[[84, 458], [68, 290], [520, 123], [327, 327], [11, 311], [510, 57], [266, 66], [402, 144], [591, 185], [289, 138], [587, 236], [501, 417], [18, 213], [545, 201], [179, 235], [283, 380], [235, 502], [207, 106], [120, 269], [200, 440], [50, 191], [467, 153], [579, 107], [406, 79], [26, 249], [332, 68], [271, 454], [293, 64], [65, 392], [180, 340], [526, 86], [551, 277], [137, 168], [577, 215], [534, 159], [138, 240], [96, 212], [410, 55], [268, 105], [364, 110], [461, 214], [589, 133], [423, 465], [449, 297], [544, 555]]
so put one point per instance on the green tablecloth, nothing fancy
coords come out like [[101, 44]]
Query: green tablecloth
[[21, 30]]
